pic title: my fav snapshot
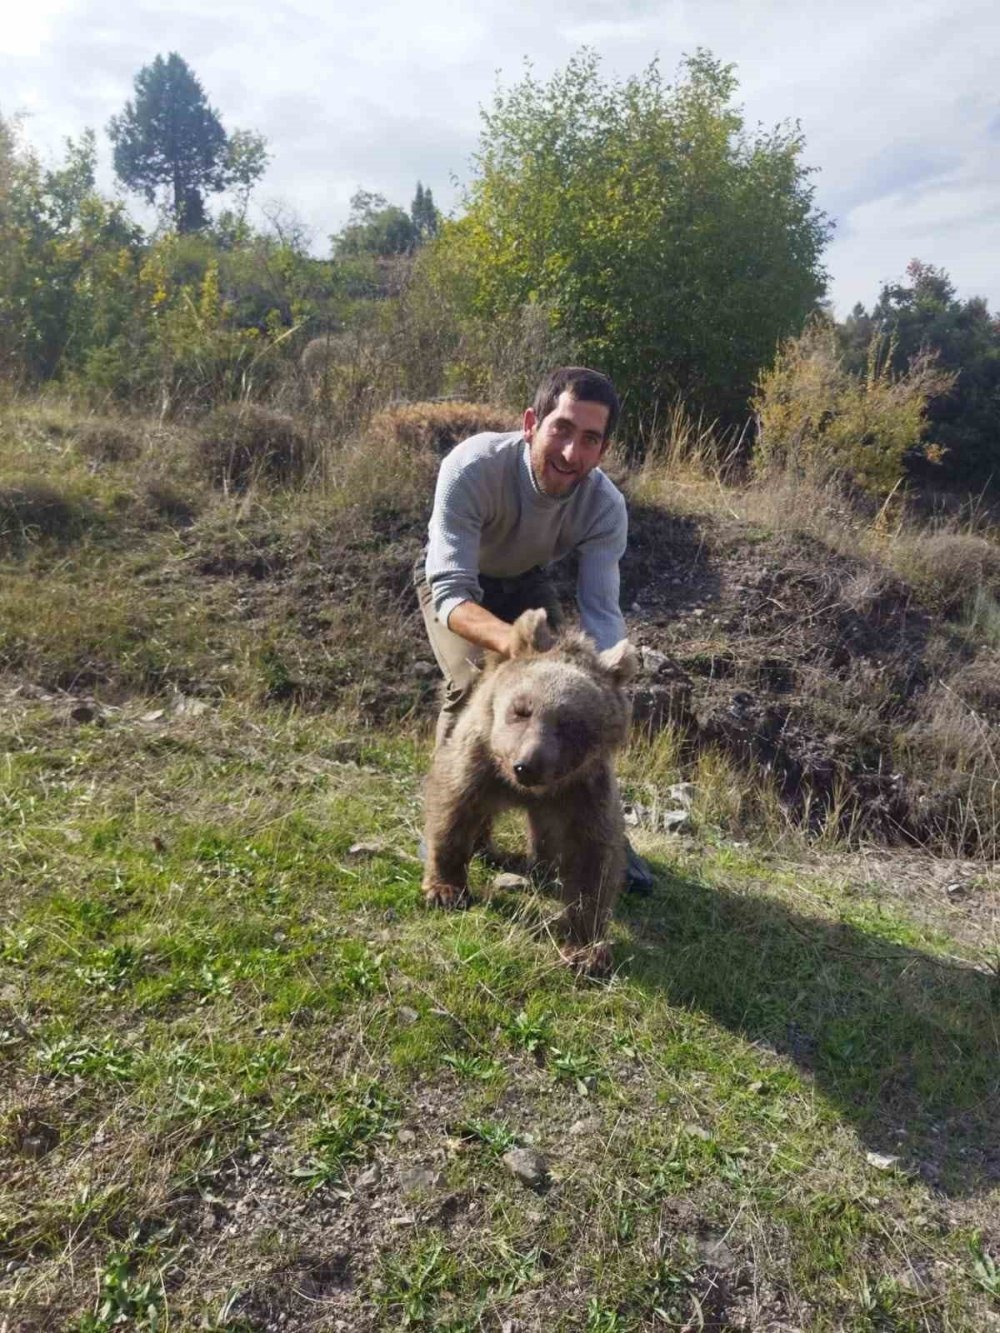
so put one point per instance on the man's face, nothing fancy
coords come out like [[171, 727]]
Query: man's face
[[567, 444]]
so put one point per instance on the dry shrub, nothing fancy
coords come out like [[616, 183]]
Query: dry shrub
[[437, 427], [948, 568], [243, 444], [108, 442], [30, 508], [170, 501], [815, 416]]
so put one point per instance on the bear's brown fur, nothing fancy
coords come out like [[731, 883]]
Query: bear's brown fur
[[539, 732]]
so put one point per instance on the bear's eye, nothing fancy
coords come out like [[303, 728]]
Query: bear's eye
[[521, 709]]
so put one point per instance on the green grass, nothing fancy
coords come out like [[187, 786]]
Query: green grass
[[208, 1002]]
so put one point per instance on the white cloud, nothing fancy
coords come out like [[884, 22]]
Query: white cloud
[[896, 102]]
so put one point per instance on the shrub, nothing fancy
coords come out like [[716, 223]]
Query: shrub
[[30, 508], [814, 415], [243, 443], [170, 501], [948, 568], [108, 442], [437, 427]]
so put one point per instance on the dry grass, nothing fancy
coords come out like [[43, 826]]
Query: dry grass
[[947, 568], [243, 444], [437, 427]]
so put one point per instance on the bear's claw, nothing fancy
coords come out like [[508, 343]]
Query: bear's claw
[[439, 894], [592, 960]]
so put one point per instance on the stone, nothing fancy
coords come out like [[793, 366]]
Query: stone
[[682, 794], [529, 1166], [369, 1177], [419, 1178], [676, 821], [653, 660], [510, 882], [882, 1161]]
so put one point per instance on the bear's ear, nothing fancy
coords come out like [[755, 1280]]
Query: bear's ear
[[531, 634], [621, 662]]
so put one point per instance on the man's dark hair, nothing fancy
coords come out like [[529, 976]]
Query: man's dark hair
[[586, 386]]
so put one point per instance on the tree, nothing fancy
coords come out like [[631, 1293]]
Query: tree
[[674, 249], [375, 227], [922, 314], [423, 214], [169, 138]]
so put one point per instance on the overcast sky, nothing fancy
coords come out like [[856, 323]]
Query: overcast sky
[[899, 101]]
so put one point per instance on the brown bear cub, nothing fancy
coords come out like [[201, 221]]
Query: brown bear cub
[[539, 732]]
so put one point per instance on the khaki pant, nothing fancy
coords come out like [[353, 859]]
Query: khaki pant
[[460, 660]]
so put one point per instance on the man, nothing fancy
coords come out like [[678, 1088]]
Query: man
[[506, 506]]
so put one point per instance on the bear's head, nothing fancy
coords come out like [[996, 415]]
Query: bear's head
[[558, 707]]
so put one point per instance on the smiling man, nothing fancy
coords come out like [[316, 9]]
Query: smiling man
[[506, 507]]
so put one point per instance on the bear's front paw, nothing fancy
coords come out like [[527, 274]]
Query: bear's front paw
[[439, 894], [590, 960]]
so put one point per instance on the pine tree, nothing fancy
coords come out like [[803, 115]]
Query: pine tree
[[169, 136], [424, 215]]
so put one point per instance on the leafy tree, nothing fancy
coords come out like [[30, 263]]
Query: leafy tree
[[922, 314], [674, 249], [375, 227], [66, 257], [169, 138]]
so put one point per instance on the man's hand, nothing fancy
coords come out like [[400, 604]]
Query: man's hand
[[473, 622]]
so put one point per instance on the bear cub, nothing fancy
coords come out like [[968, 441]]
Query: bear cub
[[539, 732]]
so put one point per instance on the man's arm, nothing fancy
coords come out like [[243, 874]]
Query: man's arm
[[598, 580], [473, 622]]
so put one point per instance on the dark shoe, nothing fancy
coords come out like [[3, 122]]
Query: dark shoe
[[638, 876]]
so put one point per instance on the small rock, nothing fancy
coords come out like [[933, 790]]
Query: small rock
[[683, 794], [83, 713], [185, 706], [406, 1136], [424, 669], [406, 1015], [882, 1161], [154, 716], [510, 882], [529, 1166], [713, 1252], [369, 1177], [419, 1178], [587, 1125], [698, 1132], [653, 660], [676, 821], [377, 847]]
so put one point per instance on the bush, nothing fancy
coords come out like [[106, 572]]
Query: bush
[[814, 415], [243, 444], [437, 427], [108, 442], [947, 569], [32, 508]]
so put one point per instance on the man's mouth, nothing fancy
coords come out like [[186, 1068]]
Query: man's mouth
[[562, 469]]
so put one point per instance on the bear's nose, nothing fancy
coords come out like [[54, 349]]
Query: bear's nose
[[526, 774]]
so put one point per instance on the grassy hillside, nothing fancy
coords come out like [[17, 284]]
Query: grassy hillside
[[248, 1082]]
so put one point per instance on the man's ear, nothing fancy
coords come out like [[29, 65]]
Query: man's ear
[[530, 422], [531, 634]]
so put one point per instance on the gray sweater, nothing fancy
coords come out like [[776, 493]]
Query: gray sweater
[[490, 517]]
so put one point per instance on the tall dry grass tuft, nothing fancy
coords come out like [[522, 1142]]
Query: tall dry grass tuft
[[948, 570], [244, 444]]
